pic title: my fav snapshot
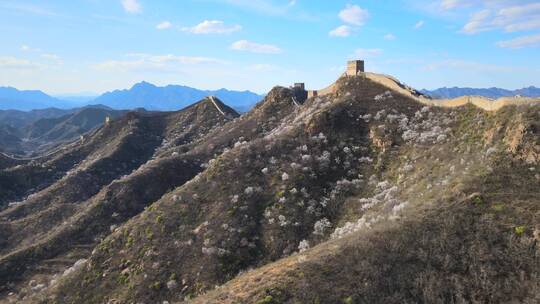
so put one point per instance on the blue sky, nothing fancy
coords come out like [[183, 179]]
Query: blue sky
[[92, 46]]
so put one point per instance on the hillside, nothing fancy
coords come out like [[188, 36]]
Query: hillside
[[363, 195], [51, 131], [492, 93], [116, 164], [9, 139], [20, 119], [172, 97], [34, 132]]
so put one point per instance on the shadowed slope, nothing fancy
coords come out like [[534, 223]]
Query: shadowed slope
[[383, 184], [40, 226]]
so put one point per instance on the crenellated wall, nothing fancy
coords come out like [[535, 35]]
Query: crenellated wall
[[395, 85]]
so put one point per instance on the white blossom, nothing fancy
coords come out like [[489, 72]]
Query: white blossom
[[303, 246]]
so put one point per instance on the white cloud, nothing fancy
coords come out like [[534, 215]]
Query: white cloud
[[354, 14], [469, 66], [267, 69], [367, 53], [509, 18], [451, 4], [389, 37], [247, 46], [266, 7], [52, 57], [7, 62], [521, 42], [212, 27], [154, 62], [262, 67], [341, 31], [28, 9], [419, 24], [164, 25], [132, 6], [26, 48]]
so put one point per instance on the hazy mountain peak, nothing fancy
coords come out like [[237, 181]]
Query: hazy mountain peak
[[143, 85], [172, 97]]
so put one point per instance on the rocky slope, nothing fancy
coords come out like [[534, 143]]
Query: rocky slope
[[51, 228], [364, 195], [27, 134]]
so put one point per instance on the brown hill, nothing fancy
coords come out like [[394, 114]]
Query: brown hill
[[45, 225], [364, 195]]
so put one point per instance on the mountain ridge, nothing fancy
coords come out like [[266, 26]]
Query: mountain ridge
[[141, 95], [171, 97], [493, 92], [361, 194]]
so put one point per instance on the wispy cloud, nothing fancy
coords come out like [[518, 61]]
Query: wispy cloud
[[367, 53], [521, 42], [47, 56], [262, 6], [262, 67], [341, 31], [354, 14], [419, 24], [212, 27], [28, 9], [164, 25], [52, 58], [489, 15], [141, 61], [8, 62], [132, 6], [508, 18], [26, 48], [266, 68], [469, 66], [389, 37], [248, 46], [451, 4]]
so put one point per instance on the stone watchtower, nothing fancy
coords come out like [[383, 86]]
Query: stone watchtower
[[300, 92], [355, 67]]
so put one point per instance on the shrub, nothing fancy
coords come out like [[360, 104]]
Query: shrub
[[320, 226], [266, 300], [303, 246], [520, 230]]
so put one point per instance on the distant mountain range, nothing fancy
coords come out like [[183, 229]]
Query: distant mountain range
[[37, 130], [141, 95], [13, 99], [490, 92], [174, 97]]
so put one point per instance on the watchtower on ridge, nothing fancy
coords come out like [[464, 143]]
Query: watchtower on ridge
[[300, 92], [300, 86], [355, 67]]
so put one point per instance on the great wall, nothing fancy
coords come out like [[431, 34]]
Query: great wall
[[356, 68]]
